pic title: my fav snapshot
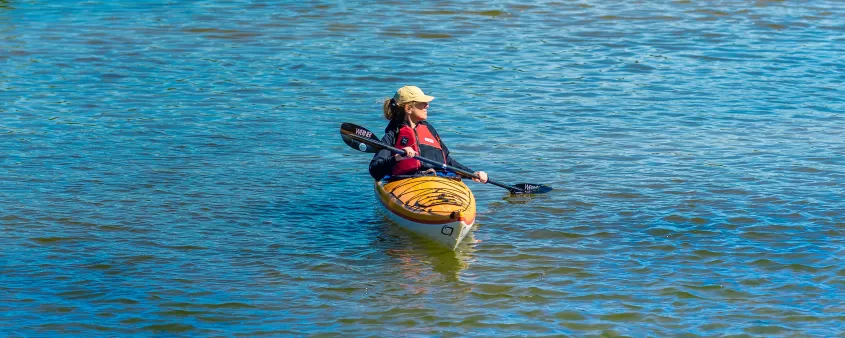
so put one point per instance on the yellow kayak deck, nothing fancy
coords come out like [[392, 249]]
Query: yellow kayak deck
[[428, 199]]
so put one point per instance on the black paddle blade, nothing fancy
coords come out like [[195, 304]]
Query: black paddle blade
[[356, 137], [530, 188]]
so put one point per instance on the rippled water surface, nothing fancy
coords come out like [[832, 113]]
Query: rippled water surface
[[175, 168]]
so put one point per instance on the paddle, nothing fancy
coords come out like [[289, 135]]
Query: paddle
[[364, 140]]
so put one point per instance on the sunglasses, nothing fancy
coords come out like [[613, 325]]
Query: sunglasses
[[421, 105]]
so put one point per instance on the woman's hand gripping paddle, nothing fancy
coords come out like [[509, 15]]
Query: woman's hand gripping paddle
[[364, 140]]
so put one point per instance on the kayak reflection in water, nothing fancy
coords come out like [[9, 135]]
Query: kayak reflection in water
[[410, 131]]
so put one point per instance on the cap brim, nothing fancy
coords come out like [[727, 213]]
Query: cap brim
[[426, 98]]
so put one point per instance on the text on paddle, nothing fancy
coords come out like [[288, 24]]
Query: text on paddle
[[364, 133]]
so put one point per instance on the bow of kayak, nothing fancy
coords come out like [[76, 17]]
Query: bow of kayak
[[441, 209]]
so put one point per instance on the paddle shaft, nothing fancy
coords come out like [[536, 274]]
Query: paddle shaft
[[434, 163]]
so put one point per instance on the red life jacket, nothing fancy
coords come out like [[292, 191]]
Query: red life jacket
[[419, 140]]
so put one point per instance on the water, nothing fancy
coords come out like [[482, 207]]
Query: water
[[176, 168]]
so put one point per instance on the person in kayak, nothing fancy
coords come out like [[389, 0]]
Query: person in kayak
[[410, 131]]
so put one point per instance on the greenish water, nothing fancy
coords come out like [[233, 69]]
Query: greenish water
[[175, 168]]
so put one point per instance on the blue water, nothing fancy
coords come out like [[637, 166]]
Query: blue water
[[175, 168]]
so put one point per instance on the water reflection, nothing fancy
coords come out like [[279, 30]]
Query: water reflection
[[518, 199], [418, 257]]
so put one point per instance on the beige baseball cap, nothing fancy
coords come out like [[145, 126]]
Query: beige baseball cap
[[411, 94]]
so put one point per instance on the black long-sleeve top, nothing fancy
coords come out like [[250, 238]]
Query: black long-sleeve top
[[382, 163]]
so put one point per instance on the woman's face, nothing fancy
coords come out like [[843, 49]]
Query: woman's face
[[418, 111]]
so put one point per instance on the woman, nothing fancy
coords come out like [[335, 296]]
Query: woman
[[408, 130]]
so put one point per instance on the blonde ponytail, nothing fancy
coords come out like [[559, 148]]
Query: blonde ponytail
[[392, 111]]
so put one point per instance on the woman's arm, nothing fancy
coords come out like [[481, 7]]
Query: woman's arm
[[382, 163]]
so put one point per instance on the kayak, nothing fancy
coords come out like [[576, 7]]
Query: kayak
[[441, 209]]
